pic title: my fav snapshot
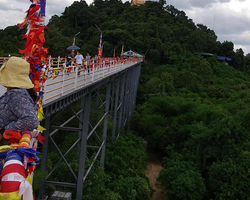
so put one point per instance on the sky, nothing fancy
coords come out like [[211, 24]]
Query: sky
[[230, 19]]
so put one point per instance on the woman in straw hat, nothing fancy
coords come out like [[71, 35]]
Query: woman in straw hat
[[17, 105]]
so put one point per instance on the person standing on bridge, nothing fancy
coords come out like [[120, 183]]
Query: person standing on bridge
[[79, 59], [18, 104], [88, 59]]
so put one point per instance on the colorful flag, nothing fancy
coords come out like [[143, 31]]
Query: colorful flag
[[122, 51], [73, 51], [99, 50], [15, 184]]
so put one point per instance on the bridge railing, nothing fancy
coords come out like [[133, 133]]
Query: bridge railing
[[63, 80], [3, 59]]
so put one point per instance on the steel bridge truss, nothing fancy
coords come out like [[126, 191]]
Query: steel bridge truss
[[111, 101]]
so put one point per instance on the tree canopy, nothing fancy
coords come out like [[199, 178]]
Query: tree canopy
[[157, 30], [195, 112]]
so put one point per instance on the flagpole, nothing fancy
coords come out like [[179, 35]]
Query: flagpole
[[74, 40], [122, 48], [100, 46], [98, 28]]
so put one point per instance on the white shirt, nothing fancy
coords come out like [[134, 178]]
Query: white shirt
[[79, 59]]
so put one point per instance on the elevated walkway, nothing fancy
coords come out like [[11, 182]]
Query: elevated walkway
[[107, 92]]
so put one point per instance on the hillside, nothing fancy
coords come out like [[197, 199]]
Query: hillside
[[159, 31], [195, 114]]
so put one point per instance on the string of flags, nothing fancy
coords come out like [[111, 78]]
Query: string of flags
[[18, 160]]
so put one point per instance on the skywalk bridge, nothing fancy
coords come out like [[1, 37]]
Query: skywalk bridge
[[107, 91]]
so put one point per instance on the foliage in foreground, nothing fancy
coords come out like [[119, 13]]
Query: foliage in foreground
[[125, 164], [182, 179], [122, 179]]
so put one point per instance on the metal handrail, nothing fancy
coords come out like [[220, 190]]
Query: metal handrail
[[61, 79]]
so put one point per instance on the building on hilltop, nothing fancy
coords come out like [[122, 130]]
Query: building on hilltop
[[223, 59], [137, 2], [132, 54]]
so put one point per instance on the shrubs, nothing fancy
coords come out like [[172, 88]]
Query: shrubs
[[182, 179], [229, 179], [206, 115], [125, 163]]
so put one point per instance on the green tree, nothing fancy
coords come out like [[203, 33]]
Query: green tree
[[182, 180], [167, 82], [239, 60], [205, 71], [229, 179]]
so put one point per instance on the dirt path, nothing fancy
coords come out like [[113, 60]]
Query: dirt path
[[152, 172]]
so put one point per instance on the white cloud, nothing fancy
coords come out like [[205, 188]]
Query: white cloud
[[13, 11], [229, 19], [5, 5]]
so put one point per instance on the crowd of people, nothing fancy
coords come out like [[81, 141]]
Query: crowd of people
[[79, 59], [88, 62]]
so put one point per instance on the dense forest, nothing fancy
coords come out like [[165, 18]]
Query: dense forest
[[196, 114], [193, 111]]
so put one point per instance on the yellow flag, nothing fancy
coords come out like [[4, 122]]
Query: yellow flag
[[39, 115], [41, 129]]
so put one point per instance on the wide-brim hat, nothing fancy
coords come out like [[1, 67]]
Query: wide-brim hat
[[15, 73]]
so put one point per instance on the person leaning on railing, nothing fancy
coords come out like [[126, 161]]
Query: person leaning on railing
[[18, 104], [68, 59], [88, 60]]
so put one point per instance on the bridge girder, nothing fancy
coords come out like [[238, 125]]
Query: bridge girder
[[116, 106]]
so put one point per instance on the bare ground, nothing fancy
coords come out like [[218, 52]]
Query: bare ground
[[152, 172]]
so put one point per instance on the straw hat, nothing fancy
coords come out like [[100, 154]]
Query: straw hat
[[15, 73]]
